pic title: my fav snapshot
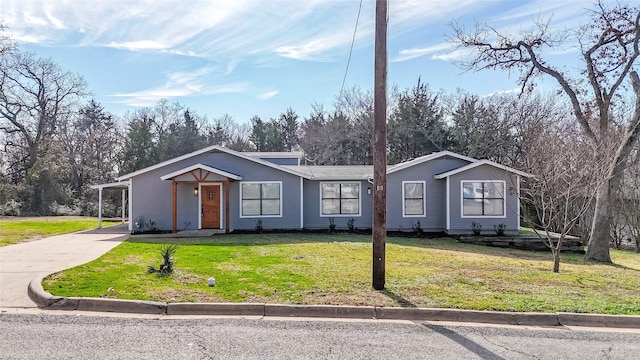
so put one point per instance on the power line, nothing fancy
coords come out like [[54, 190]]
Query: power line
[[353, 39]]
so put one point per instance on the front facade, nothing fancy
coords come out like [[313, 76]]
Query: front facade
[[218, 188]]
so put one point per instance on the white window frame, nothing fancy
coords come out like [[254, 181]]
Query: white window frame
[[424, 199], [504, 200], [260, 216], [342, 182]]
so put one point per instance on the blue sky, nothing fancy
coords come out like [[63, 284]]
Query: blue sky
[[260, 57]]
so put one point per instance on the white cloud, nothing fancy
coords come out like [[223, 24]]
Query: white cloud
[[33, 20], [55, 22], [179, 84], [502, 92], [311, 50], [268, 95], [24, 38], [408, 54], [454, 55], [137, 45], [409, 13]]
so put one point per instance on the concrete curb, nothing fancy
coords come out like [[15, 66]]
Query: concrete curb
[[231, 309], [45, 300], [325, 311], [600, 320]]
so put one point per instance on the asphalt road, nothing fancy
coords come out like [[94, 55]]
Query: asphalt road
[[73, 336]]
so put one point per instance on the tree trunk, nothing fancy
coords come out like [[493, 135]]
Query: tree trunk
[[556, 260], [598, 249]]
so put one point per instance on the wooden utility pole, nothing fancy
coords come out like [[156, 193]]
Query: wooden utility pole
[[380, 146]]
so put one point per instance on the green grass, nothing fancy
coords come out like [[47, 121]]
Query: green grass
[[525, 231], [14, 230], [336, 269]]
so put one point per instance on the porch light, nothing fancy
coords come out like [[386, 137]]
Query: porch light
[[195, 191]]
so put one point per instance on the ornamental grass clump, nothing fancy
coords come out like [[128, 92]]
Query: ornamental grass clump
[[167, 253]]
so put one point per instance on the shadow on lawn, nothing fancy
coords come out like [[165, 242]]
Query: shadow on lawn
[[437, 243], [397, 298]]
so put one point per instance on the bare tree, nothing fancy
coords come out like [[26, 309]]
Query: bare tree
[[563, 186], [609, 49], [225, 131], [5, 41], [90, 143], [35, 94]]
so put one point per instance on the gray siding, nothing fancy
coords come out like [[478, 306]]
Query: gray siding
[[312, 211], [460, 225], [152, 197], [435, 195]]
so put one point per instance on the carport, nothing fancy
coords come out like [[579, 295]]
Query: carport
[[124, 186]]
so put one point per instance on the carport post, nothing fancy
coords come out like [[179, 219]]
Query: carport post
[[123, 204], [100, 208]]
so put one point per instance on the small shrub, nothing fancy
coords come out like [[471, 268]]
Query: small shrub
[[167, 253], [350, 225], [64, 210], [258, 227], [417, 228], [11, 208], [475, 228], [151, 225], [499, 229], [332, 225]]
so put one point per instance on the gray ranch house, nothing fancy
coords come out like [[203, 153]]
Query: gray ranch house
[[218, 188]]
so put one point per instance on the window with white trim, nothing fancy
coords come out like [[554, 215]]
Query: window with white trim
[[340, 198], [413, 199], [483, 198], [260, 199]]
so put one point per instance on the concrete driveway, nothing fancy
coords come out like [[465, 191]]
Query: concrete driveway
[[21, 263]]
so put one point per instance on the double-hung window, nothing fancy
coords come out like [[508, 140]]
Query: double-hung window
[[483, 198], [261, 199], [338, 198], [413, 199]]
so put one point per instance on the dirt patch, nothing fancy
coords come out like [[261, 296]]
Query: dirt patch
[[132, 260], [33, 238], [187, 278]]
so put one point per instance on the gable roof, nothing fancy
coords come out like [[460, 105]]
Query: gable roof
[[480, 163], [202, 167], [213, 148], [425, 158]]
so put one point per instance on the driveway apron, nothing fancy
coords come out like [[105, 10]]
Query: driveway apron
[[21, 263]]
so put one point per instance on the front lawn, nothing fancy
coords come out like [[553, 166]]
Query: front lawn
[[336, 269], [18, 229]]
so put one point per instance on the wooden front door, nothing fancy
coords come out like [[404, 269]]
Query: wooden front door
[[210, 199]]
